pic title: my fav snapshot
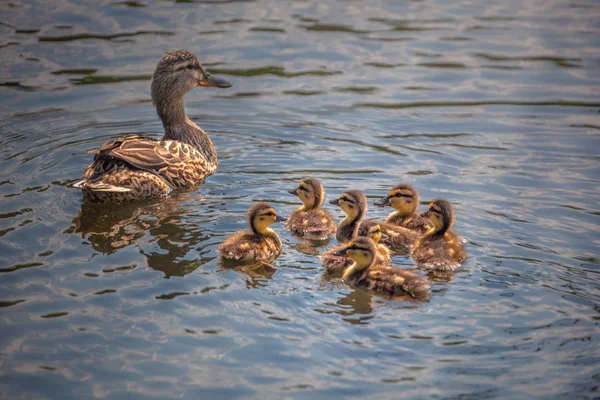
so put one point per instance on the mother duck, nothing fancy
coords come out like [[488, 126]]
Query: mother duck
[[133, 167]]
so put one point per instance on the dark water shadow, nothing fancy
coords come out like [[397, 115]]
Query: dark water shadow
[[111, 227]]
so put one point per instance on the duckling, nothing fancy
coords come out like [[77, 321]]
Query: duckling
[[367, 271], [440, 248], [405, 200], [133, 167], [370, 229], [354, 205], [310, 221], [261, 244]]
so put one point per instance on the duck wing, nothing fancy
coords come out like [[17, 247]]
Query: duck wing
[[148, 154]]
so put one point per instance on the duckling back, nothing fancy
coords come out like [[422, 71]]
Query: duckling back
[[249, 247], [314, 224], [440, 252], [389, 280], [414, 222], [400, 236]]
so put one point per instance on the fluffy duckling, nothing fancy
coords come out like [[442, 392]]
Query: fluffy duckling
[[405, 200], [367, 271], [310, 221], [354, 205], [440, 248], [370, 229], [261, 244]]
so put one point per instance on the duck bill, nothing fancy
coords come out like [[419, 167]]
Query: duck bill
[[213, 81], [335, 202], [294, 192], [279, 218], [425, 214], [383, 202], [341, 252]]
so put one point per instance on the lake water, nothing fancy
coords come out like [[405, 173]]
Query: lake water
[[492, 105]]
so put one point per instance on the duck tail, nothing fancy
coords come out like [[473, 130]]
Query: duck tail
[[99, 187]]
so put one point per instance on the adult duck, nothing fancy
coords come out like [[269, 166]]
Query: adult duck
[[133, 167]]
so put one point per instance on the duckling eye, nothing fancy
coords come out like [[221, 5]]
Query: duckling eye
[[302, 188]]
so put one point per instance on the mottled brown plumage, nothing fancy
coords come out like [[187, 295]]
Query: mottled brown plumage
[[405, 200], [440, 248], [399, 236], [354, 205], [133, 167], [370, 229], [260, 244], [367, 271], [310, 221]]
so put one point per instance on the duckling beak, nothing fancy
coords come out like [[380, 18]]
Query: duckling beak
[[294, 192], [279, 218], [213, 81], [383, 202], [425, 214], [341, 252], [335, 202]]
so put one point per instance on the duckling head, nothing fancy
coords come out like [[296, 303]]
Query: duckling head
[[178, 72], [370, 229], [261, 216], [353, 203], [441, 215], [404, 198], [311, 193], [362, 251]]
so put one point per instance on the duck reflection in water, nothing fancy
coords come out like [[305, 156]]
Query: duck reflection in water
[[256, 272], [357, 304], [160, 224]]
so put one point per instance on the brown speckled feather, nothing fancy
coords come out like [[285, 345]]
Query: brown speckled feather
[[249, 247], [440, 252], [413, 222], [386, 279], [311, 224], [137, 168], [120, 183], [399, 236]]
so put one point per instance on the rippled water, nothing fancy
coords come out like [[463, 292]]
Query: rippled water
[[493, 106]]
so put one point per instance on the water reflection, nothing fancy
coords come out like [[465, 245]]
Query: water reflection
[[109, 228], [457, 104], [252, 271], [362, 301], [309, 246]]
